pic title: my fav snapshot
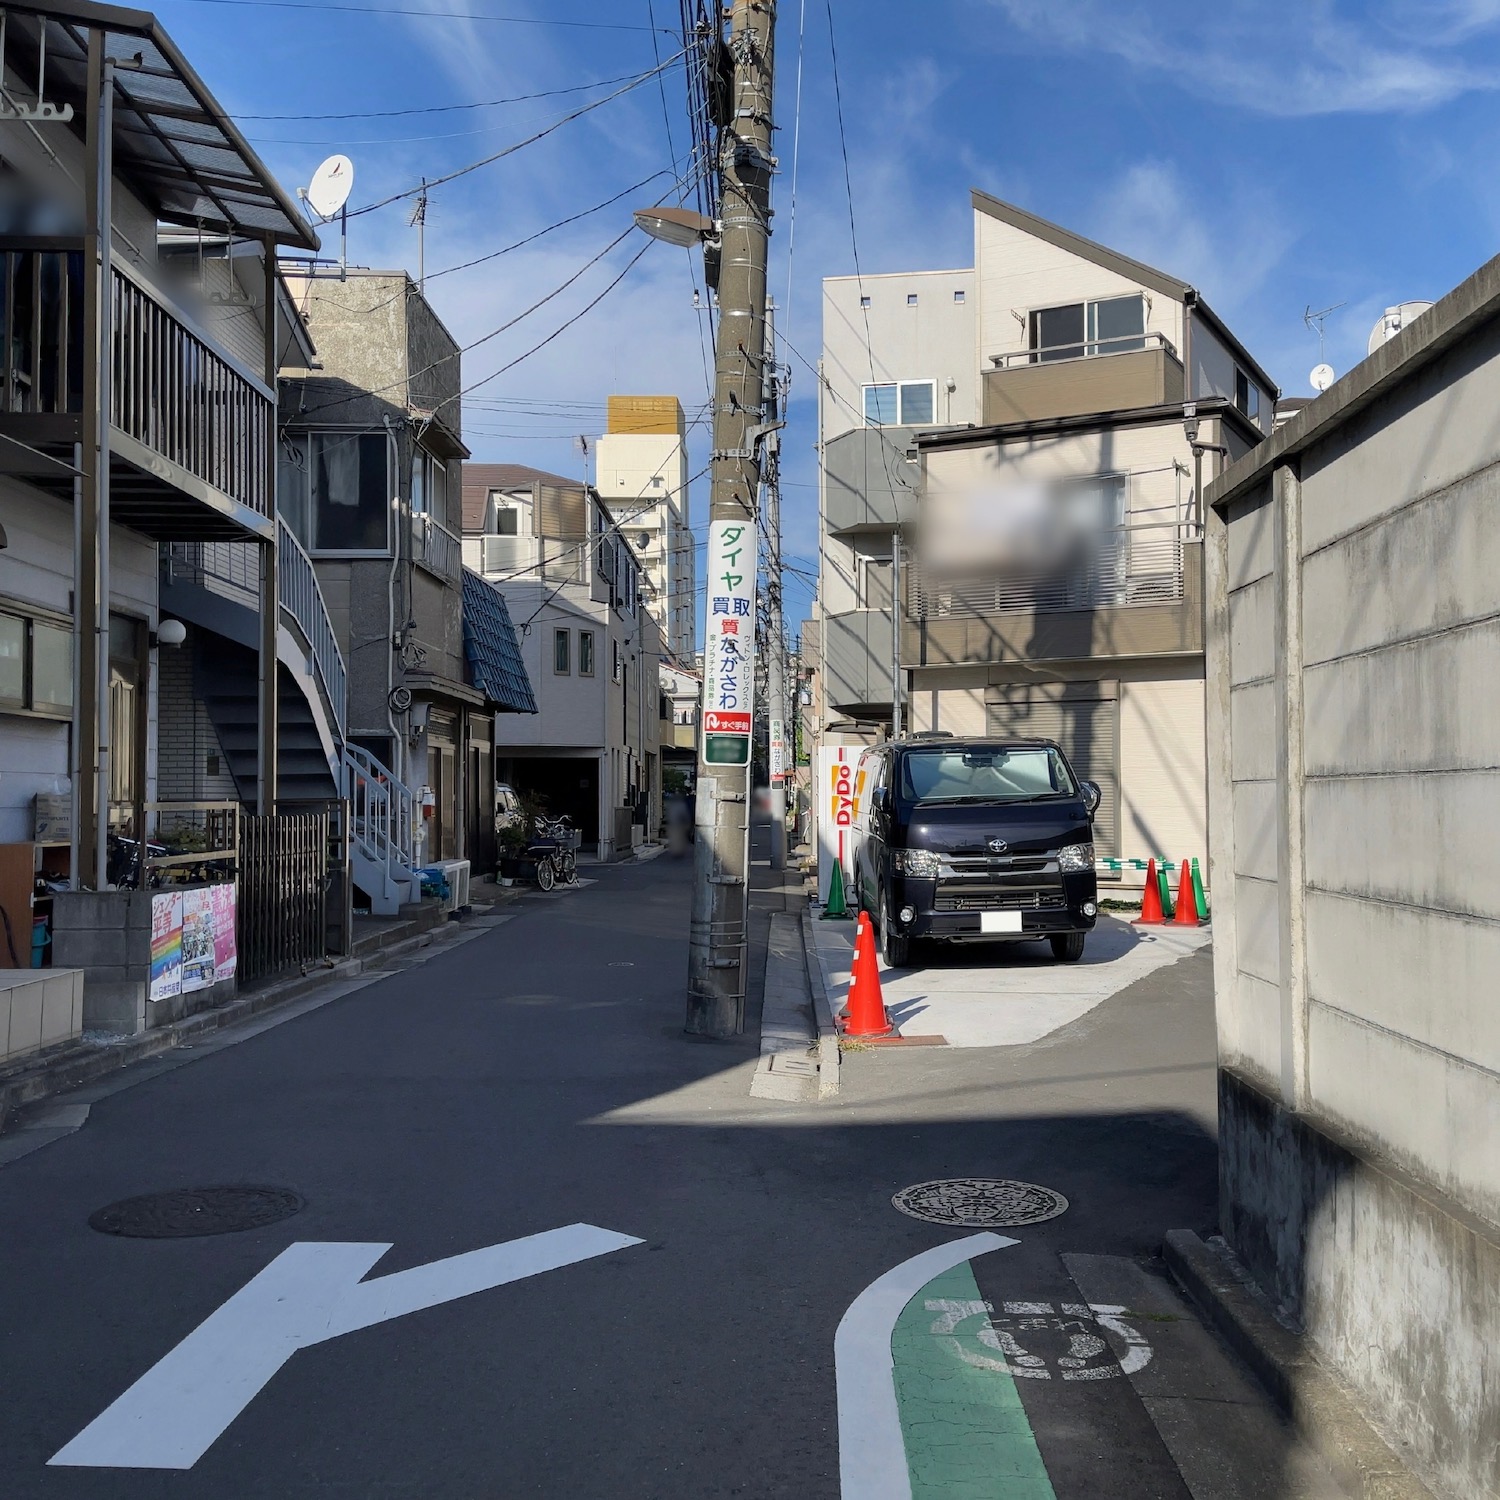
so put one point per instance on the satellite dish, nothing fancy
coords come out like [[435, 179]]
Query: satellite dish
[[1322, 377], [1392, 321], [330, 187]]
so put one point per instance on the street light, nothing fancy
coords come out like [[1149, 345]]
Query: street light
[[677, 226]]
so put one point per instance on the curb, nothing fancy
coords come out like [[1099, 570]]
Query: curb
[[87, 1064], [1333, 1426], [829, 1056]]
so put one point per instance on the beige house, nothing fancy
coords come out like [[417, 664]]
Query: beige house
[[642, 475], [1034, 436]]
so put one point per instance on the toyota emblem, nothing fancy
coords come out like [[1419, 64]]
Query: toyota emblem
[[998, 846]]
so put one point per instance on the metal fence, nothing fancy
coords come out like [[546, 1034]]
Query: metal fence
[[283, 896]]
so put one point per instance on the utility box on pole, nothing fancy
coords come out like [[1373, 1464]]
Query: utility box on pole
[[719, 931]]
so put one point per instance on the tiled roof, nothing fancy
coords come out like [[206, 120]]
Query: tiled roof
[[480, 479], [490, 645]]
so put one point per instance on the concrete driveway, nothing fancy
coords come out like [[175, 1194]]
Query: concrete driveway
[[1005, 994]]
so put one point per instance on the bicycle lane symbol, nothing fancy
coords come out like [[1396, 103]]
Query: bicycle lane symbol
[[1032, 1340]]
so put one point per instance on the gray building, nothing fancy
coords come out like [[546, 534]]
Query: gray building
[[1353, 583], [369, 463]]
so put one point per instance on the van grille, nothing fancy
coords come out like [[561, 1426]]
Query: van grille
[[1001, 901]]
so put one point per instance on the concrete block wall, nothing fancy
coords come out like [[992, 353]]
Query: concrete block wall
[[1353, 593], [186, 737]]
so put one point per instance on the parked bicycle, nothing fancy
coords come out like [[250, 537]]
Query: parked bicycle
[[563, 838]]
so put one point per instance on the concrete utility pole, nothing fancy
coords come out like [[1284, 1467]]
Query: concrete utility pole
[[775, 635], [719, 930]]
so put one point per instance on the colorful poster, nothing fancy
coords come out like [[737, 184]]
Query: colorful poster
[[197, 939], [226, 954], [166, 945], [729, 655]]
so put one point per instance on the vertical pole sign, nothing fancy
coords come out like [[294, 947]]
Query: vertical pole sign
[[729, 652]]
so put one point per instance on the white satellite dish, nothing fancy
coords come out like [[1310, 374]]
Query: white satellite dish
[[1322, 377], [1392, 321], [330, 187]]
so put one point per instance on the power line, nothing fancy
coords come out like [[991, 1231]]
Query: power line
[[509, 150], [444, 109], [426, 15]]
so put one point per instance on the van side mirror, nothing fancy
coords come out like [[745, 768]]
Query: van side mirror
[[1091, 797]]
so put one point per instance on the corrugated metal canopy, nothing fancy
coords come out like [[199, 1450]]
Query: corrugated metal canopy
[[173, 141], [494, 654]]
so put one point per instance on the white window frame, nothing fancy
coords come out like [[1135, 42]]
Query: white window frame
[[1089, 343], [900, 387]]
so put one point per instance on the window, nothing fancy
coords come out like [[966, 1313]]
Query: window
[[864, 301], [335, 491], [960, 296], [429, 485], [911, 299], [1246, 394], [36, 665], [507, 520], [614, 659], [585, 653], [1115, 325], [560, 652], [908, 403]]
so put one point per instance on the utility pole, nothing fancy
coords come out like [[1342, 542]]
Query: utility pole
[[896, 634], [719, 930], [775, 633]]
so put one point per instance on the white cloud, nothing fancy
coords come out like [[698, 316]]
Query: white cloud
[[1225, 242], [1299, 57]]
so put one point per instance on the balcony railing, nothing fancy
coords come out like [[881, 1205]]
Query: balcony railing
[[434, 547], [182, 399], [1127, 343], [182, 410], [1129, 567]]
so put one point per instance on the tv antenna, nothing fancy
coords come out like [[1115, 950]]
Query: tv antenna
[[418, 221], [1316, 320], [327, 195], [581, 443]]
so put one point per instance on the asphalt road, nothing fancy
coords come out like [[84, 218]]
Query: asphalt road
[[537, 1077]]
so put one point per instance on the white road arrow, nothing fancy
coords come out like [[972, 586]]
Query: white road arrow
[[309, 1294]]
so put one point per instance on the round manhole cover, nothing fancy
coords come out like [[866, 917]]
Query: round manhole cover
[[980, 1202], [185, 1212]]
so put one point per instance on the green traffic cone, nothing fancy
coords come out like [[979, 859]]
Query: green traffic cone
[[836, 909], [1168, 911], [1198, 895]]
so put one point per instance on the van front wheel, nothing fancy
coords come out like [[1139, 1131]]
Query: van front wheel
[[1067, 947]]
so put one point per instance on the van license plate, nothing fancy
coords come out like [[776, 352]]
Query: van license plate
[[999, 921]]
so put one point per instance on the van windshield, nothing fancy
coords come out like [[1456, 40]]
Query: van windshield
[[981, 773]]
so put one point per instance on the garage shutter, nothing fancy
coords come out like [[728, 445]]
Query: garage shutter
[[1084, 718]]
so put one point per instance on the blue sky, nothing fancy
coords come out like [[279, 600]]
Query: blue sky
[[1277, 155]]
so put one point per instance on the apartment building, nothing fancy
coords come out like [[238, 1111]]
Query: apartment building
[[642, 475], [592, 650], [1036, 436]]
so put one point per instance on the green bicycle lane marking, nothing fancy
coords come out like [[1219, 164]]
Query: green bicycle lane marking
[[966, 1433]]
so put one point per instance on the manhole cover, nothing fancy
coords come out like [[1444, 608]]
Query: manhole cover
[[980, 1202], [192, 1211]]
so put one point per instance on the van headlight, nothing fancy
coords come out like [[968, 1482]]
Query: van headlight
[[922, 863], [1074, 857]]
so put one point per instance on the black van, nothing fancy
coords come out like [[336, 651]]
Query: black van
[[976, 840]]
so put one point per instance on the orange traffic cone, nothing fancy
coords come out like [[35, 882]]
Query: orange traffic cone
[[865, 1014], [1151, 912], [1187, 907]]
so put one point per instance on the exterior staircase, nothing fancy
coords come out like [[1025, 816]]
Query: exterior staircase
[[212, 586]]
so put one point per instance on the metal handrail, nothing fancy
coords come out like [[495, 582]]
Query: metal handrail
[[382, 812], [302, 599], [434, 546], [1087, 349]]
